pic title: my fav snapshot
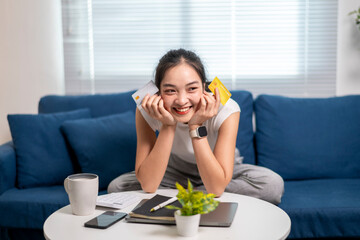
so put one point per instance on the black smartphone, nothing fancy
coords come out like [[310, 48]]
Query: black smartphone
[[105, 219]]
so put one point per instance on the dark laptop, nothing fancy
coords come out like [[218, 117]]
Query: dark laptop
[[222, 216]]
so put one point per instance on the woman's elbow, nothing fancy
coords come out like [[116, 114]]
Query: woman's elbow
[[148, 187], [217, 191], [218, 194]]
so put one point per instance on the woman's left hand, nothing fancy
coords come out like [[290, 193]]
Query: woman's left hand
[[208, 107]]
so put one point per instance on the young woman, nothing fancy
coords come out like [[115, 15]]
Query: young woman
[[196, 138]]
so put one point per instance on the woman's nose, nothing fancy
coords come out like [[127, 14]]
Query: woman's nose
[[181, 98]]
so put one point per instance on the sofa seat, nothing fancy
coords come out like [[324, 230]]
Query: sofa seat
[[323, 207], [29, 208]]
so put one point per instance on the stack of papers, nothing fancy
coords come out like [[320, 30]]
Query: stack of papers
[[117, 200]]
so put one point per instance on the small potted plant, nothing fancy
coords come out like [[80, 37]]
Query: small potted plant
[[193, 203], [357, 16]]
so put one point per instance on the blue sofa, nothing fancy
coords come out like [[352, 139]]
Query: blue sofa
[[314, 144]]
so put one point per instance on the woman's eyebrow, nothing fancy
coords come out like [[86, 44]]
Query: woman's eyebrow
[[168, 85], [173, 86], [194, 82]]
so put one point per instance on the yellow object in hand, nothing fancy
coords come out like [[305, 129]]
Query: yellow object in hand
[[224, 93]]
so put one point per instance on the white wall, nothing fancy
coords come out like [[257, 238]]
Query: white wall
[[348, 50], [31, 56]]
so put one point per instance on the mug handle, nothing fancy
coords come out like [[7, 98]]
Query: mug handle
[[66, 185]]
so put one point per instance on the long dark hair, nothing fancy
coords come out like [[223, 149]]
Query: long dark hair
[[175, 57]]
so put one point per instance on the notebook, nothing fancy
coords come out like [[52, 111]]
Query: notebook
[[222, 216]]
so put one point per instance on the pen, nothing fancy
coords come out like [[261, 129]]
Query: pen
[[171, 200]]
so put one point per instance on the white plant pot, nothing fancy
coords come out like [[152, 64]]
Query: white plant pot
[[187, 226]]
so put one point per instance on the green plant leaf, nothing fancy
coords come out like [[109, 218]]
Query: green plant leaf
[[190, 187], [194, 202], [352, 12], [180, 188], [172, 207]]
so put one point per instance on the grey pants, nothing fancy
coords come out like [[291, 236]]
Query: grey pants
[[250, 180]]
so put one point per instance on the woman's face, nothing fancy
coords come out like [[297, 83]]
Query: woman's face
[[181, 90]]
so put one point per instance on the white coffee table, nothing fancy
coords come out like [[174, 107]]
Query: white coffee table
[[254, 219]]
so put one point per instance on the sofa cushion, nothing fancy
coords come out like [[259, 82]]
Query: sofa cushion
[[99, 104], [302, 138], [245, 137], [7, 167], [29, 208], [323, 207], [105, 146], [42, 157]]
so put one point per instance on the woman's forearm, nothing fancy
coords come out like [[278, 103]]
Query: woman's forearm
[[152, 169], [215, 173], [216, 167]]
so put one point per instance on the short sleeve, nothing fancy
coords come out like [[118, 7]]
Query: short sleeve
[[153, 123], [230, 107]]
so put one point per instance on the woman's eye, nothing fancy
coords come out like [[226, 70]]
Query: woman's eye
[[192, 89], [169, 91]]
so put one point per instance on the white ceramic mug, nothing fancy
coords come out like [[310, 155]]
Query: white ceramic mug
[[82, 190]]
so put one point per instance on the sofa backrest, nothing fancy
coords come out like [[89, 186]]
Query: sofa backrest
[[108, 104], [245, 137], [99, 104], [303, 138]]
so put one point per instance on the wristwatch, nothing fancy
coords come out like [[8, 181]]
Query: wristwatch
[[198, 132]]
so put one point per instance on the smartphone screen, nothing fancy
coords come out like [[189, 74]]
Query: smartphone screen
[[105, 219]]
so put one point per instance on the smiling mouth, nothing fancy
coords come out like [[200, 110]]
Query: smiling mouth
[[182, 111]]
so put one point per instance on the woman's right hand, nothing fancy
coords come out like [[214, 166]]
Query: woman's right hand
[[154, 106]]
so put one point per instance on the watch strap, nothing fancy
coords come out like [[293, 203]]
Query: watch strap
[[199, 132], [194, 133]]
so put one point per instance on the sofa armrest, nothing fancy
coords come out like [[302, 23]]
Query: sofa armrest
[[7, 166]]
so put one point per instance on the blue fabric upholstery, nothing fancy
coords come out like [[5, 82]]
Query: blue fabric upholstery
[[323, 207], [245, 137], [99, 104], [105, 146], [309, 138], [41, 152], [7, 167], [108, 104], [29, 208], [22, 234], [298, 138]]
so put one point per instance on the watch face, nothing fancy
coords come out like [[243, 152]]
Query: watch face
[[202, 131]]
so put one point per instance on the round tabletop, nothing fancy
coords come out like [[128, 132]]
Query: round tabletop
[[254, 219]]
